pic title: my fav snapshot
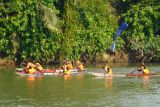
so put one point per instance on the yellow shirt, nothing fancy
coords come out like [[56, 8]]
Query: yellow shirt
[[80, 67], [39, 67], [146, 71], [70, 66], [108, 72], [67, 72], [31, 71]]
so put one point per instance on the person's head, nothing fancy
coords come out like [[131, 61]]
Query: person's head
[[30, 67], [64, 62], [142, 66], [34, 61], [37, 64], [106, 67], [67, 68]]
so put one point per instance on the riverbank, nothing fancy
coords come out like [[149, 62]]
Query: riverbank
[[4, 62], [119, 57], [104, 57]]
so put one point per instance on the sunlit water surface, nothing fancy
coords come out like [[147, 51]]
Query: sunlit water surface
[[80, 90]]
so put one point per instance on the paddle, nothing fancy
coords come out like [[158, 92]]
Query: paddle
[[134, 70]]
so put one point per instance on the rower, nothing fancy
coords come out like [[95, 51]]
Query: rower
[[107, 70], [66, 70], [24, 65], [79, 66], [38, 67], [31, 70], [69, 65], [143, 69], [29, 64]]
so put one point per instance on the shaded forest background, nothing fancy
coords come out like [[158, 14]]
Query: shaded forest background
[[54, 30]]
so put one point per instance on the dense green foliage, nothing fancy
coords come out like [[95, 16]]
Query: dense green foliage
[[144, 21], [70, 29]]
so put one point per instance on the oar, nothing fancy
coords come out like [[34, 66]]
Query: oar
[[134, 70]]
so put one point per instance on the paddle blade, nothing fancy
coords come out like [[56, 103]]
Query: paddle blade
[[113, 47]]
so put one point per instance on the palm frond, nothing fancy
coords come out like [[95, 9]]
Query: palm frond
[[49, 17]]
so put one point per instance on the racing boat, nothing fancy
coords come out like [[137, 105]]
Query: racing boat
[[20, 71], [140, 75], [100, 74]]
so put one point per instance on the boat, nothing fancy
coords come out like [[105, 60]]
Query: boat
[[44, 70], [24, 74], [141, 75], [100, 74], [19, 71]]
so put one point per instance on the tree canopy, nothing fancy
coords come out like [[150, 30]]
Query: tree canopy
[[55, 30]]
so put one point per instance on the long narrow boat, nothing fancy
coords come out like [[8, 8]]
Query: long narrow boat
[[24, 74], [100, 74], [141, 75], [19, 71], [44, 70]]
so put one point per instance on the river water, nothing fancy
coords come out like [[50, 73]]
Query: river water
[[80, 90]]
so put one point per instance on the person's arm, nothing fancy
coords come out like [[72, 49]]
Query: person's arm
[[140, 70]]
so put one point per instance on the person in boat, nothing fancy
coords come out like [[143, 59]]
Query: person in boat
[[30, 64], [107, 70], [29, 68], [143, 69], [79, 66], [24, 65], [69, 65], [66, 69], [38, 66]]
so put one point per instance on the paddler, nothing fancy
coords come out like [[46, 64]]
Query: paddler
[[69, 65], [25, 70], [66, 70], [143, 69], [79, 66], [38, 66], [107, 70], [30, 64], [30, 68]]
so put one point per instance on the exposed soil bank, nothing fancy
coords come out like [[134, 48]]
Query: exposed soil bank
[[120, 57], [4, 62]]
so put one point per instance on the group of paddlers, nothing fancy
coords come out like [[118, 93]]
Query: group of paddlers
[[141, 70], [33, 67]]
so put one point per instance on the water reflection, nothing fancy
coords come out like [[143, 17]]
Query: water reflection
[[32, 84], [108, 82], [80, 76], [67, 77], [145, 81]]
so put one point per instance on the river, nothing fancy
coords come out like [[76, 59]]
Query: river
[[80, 90]]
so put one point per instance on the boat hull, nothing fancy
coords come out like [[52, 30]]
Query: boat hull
[[19, 71], [99, 74], [141, 75]]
